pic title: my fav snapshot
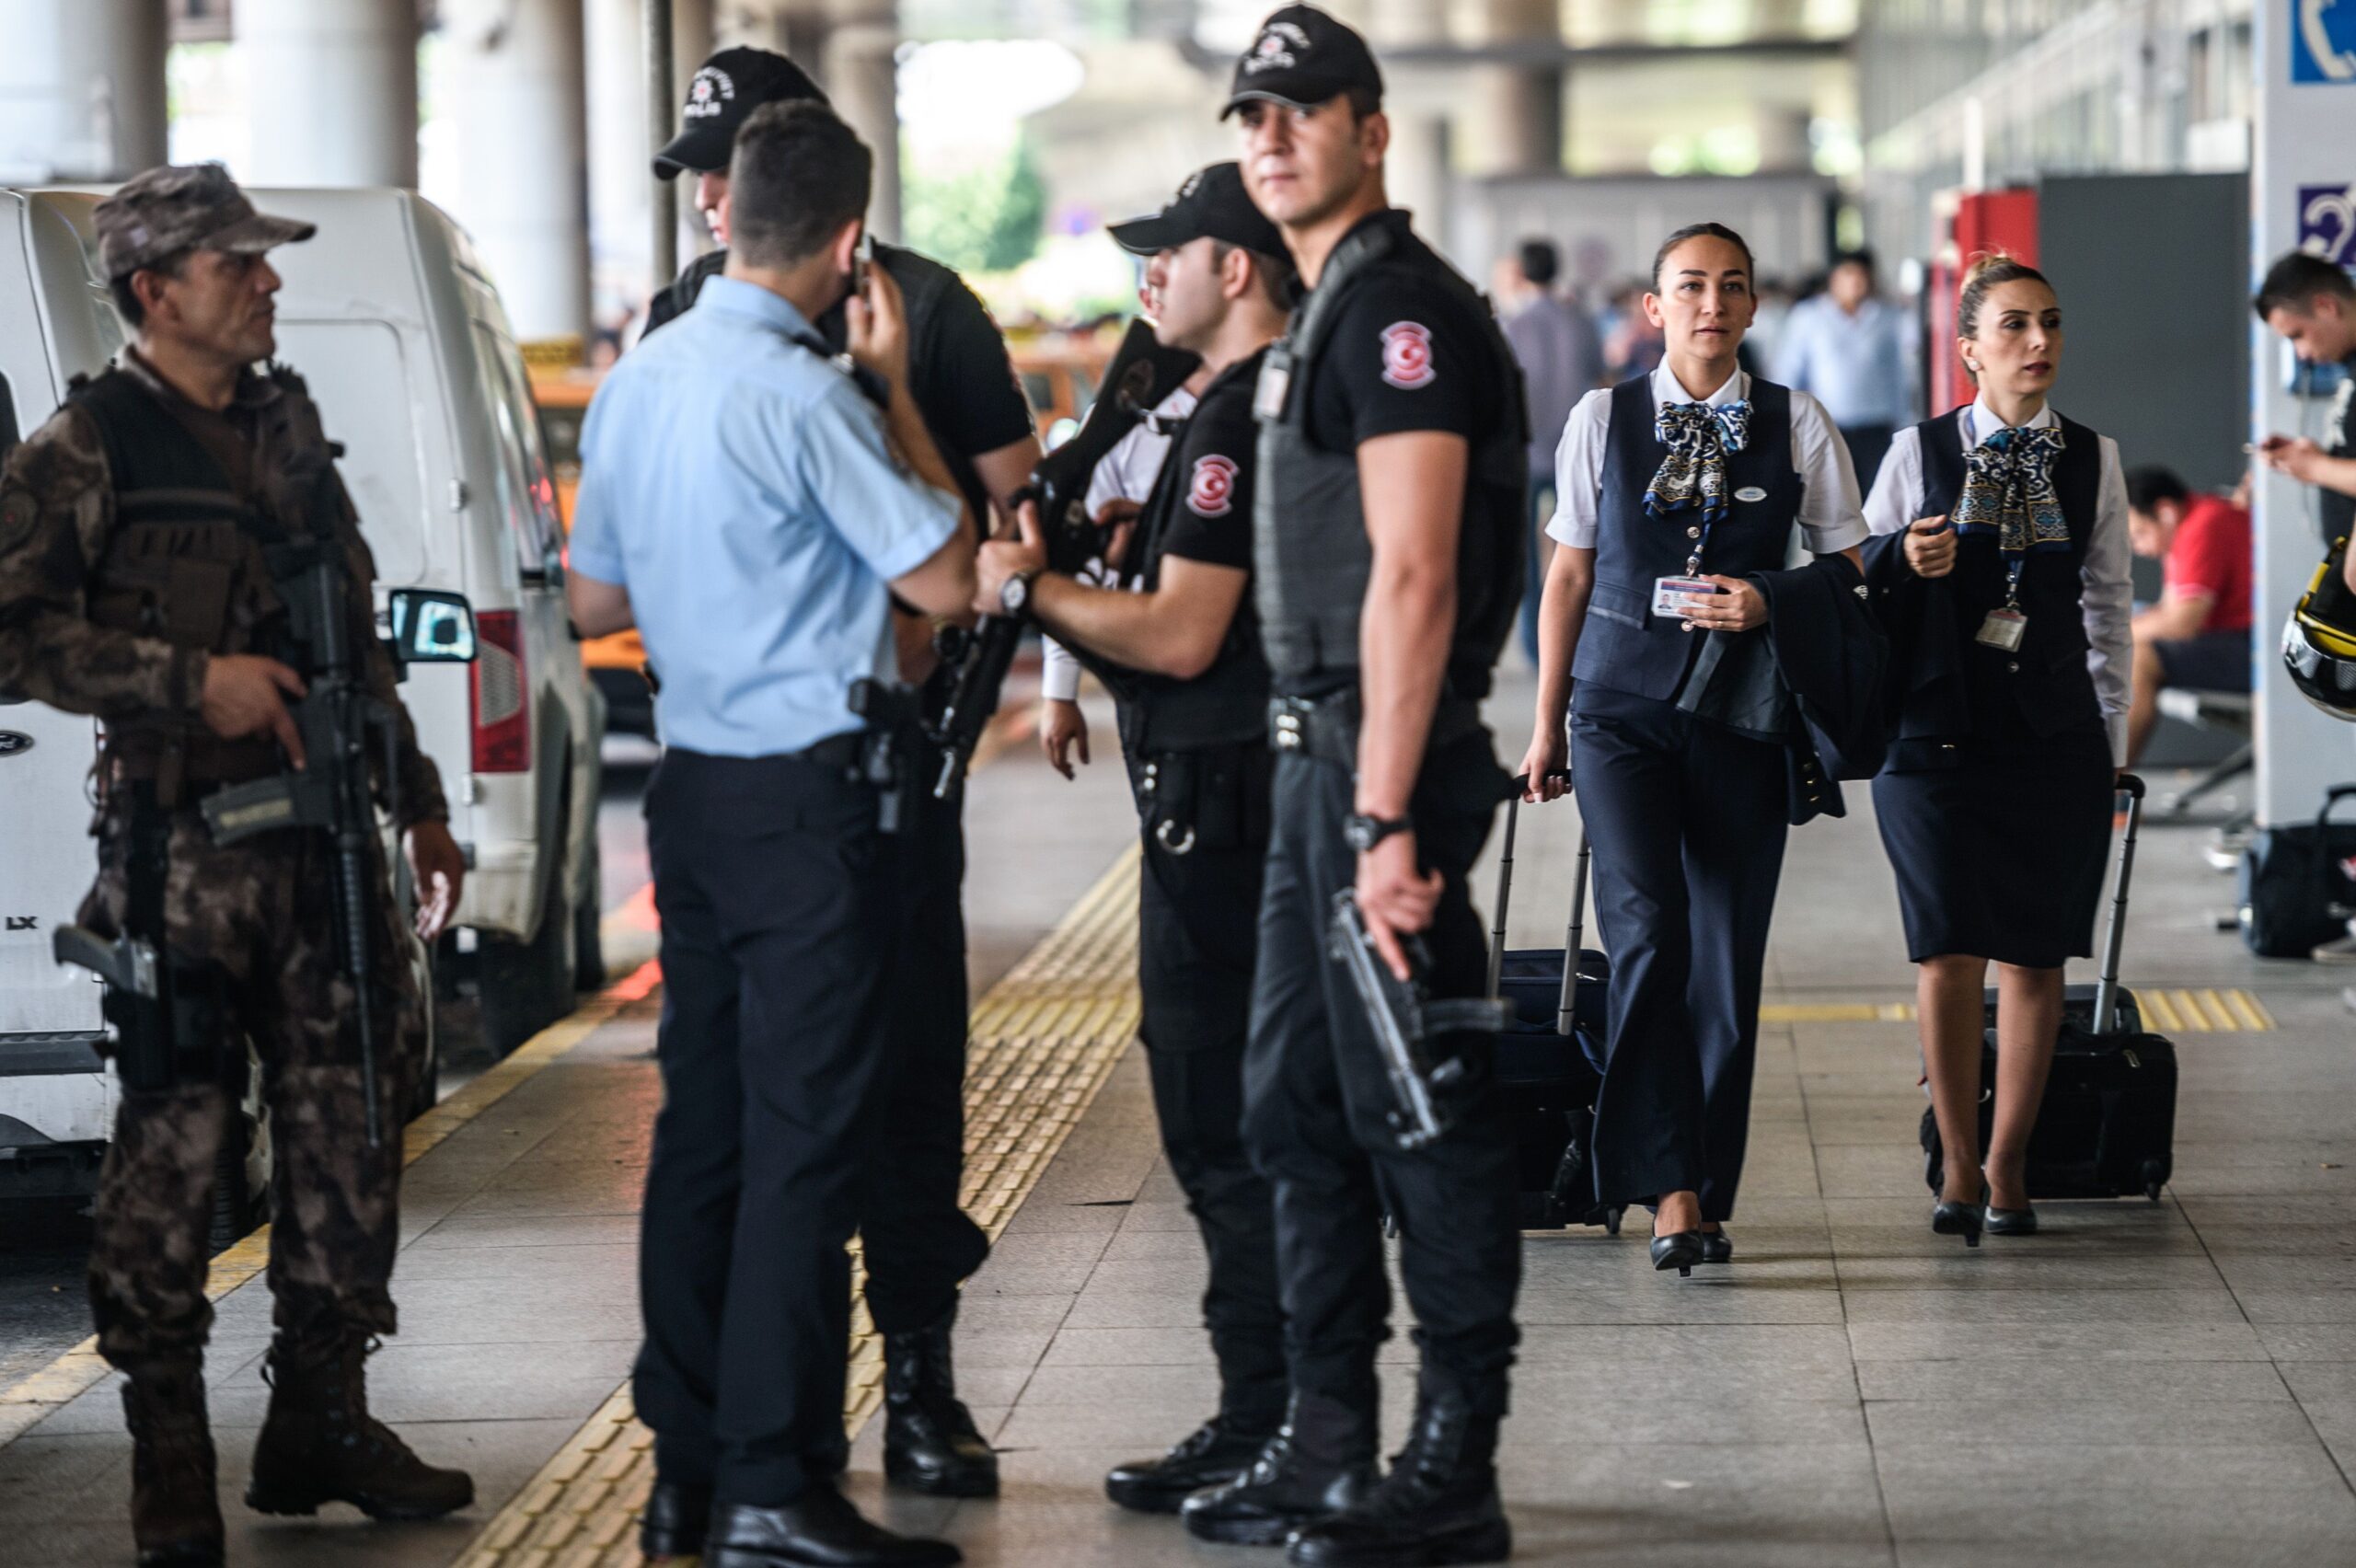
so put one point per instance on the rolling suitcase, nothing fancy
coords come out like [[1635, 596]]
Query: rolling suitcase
[[2107, 1127], [1550, 1057]]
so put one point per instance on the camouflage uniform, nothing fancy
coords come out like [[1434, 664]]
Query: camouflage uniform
[[261, 911]]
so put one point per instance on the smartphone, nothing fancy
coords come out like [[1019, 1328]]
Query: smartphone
[[861, 259]]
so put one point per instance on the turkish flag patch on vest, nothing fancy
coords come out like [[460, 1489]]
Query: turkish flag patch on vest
[[1408, 355], [1211, 491]]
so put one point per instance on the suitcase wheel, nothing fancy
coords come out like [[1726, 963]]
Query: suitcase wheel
[[2153, 1180], [1611, 1220]]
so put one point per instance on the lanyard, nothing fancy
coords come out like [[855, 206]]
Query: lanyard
[[2013, 567]]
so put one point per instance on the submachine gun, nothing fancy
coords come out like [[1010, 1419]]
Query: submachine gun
[[1142, 374], [166, 1015], [1404, 1020]]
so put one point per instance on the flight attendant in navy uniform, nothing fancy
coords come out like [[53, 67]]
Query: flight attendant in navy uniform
[[2001, 539], [1674, 486]]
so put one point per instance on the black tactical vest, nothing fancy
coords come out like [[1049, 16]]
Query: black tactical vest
[[1623, 646], [185, 561], [2334, 510], [1227, 704], [1311, 556], [2045, 683]]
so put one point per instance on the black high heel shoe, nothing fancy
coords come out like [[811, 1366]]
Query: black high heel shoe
[[1957, 1219], [1679, 1250]]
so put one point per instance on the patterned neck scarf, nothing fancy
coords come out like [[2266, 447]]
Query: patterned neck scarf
[[2008, 491], [1693, 474]]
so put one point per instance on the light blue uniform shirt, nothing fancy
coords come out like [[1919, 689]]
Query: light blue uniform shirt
[[1858, 367], [739, 486]]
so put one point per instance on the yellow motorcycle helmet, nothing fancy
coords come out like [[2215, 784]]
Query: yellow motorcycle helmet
[[2319, 640]]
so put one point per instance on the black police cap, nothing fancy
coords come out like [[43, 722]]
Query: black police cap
[[721, 96], [1302, 57], [1212, 204]]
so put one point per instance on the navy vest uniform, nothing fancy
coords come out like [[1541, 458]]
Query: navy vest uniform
[[1995, 805], [1657, 784]]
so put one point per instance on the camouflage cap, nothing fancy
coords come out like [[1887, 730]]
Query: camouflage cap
[[181, 207]]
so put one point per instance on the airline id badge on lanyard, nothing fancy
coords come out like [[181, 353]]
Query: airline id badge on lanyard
[[2005, 627]]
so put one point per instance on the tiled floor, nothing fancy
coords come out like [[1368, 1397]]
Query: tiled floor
[[2142, 1385]]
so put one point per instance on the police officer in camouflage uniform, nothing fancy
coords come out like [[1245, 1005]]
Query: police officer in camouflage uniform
[[134, 587]]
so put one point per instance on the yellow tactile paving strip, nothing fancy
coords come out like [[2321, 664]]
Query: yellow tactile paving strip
[[31, 1399], [1044, 1041], [2210, 1011]]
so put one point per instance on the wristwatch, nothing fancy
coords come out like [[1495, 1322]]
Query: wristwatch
[[1014, 594], [1363, 833]]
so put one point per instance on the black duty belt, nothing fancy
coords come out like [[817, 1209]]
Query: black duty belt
[[1327, 727]]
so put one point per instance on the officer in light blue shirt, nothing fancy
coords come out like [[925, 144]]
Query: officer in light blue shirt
[[751, 507]]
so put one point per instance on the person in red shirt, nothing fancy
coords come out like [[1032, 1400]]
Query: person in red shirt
[[2197, 636]]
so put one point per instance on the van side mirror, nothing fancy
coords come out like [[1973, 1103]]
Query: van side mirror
[[431, 628]]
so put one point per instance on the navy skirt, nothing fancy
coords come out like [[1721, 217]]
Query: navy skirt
[[2002, 856]]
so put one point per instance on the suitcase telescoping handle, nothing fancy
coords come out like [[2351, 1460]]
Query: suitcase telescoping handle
[[2107, 982], [1505, 897]]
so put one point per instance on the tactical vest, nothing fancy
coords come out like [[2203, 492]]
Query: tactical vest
[[185, 562], [1311, 556], [1623, 646], [1227, 704], [2045, 681], [2335, 510]]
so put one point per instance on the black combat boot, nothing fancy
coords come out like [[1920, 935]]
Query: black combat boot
[[1221, 1449], [1319, 1463], [319, 1444], [175, 1511], [1439, 1505], [931, 1444]]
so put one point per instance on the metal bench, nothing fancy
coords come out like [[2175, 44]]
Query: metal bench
[[2228, 711]]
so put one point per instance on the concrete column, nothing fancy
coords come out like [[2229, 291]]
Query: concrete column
[[81, 89], [332, 91], [2301, 140], [691, 42], [1512, 121], [862, 77], [517, 77], [1415, 174], [621, 150]]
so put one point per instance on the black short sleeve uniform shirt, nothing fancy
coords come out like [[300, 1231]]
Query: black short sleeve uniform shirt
[[1401, 356], [1209, 471]]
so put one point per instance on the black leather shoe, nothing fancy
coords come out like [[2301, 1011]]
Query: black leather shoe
[[2010, 1222], [1319, 1463], [1718, 1247], [1215, 1454], [1439, 1505], [931, 1444], [817, 1529], [1679, 1250], [676, 1519], [1957, 1219]]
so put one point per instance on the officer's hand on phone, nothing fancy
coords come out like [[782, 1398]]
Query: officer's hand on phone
[[1543, 767], [1929, 546], [438, 870], [244, 695], [1063, 732], [1738, 605], [876, 327], [1396, 897], [999, 560]]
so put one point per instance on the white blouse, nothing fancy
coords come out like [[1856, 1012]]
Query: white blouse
[[1829, 516], [2107, 595]]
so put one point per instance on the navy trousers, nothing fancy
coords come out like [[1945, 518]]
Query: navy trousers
[[1687, 821], [779, 912]]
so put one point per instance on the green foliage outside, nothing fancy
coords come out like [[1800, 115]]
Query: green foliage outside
[[986, 216]]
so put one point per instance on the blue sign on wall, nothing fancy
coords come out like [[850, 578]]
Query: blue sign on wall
[[2328, 222], [2323, 40]]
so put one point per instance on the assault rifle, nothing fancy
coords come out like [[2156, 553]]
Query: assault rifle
[[1142, 374], [1405, 1018]]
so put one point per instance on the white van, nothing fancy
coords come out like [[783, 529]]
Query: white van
[[390, 319]]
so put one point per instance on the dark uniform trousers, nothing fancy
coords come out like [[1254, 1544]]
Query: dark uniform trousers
[[263, 913], [1316, 1092], [1197, 917], [1688, 823], [778, 910], [918, 1244]]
